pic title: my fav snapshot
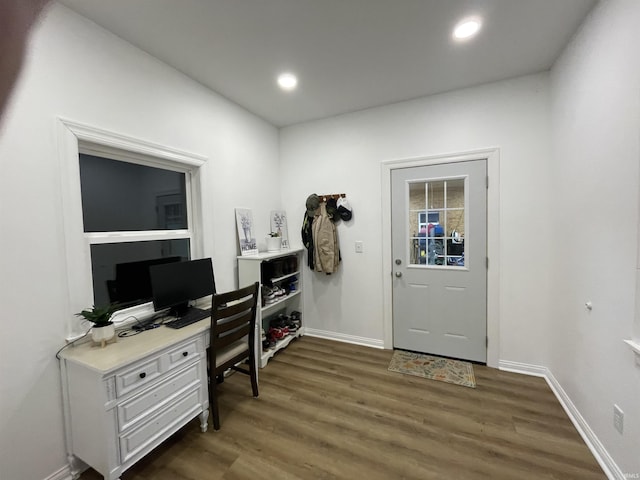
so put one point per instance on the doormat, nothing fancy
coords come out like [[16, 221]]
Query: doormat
[[434, 368]]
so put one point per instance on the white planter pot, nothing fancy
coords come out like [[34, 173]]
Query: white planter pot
[[102, 335], [274, 244]]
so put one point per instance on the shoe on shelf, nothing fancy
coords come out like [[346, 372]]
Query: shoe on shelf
[[277, 333], [276, 322], [268, 295], [279, 322]]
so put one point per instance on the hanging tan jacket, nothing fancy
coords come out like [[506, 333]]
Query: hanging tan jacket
[[325, 243]]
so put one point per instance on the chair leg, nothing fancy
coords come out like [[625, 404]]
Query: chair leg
[[254, 376], [213, 401]]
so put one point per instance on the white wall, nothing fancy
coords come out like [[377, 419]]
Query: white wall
[[595, 90], [85, 74], [343, 155]]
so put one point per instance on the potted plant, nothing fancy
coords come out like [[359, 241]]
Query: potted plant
[[103, 329], [274, 242]]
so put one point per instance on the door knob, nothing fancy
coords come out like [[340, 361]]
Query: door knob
[[398, 261], [398, 274]]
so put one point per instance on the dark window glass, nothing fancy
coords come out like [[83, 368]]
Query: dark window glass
[[120, 270], [121, 196]]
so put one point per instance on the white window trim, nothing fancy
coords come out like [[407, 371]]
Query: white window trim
[[75, 138]]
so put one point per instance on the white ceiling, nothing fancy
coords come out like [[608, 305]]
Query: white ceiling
[[348, 54]]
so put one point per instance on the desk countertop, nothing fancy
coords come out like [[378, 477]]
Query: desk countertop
[[128, 349]]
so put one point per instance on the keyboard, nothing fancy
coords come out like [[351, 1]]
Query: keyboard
[[193, 315]]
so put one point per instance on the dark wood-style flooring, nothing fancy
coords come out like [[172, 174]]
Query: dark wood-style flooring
[[330, 410]]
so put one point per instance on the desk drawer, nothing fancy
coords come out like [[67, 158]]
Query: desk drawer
[[187, 352], [138, 376], [155, 398], [158, 428]]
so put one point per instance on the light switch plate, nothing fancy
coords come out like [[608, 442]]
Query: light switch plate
[[618, 419]]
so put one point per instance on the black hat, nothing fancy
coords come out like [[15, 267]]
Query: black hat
[[344, 209], [313, 203], [332, 209]]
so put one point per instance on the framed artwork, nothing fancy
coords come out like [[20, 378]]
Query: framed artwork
[[246, 235], [279, 226]]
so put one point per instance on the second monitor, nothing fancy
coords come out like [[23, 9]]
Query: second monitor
[[176, 285]]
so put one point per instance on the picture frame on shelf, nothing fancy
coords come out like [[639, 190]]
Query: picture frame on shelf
[[279, 226], [246, 236]]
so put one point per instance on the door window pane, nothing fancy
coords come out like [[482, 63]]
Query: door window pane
[[417, 222], [436, 222], [455, 222], [435, 194], [455, 193], [122, 196]]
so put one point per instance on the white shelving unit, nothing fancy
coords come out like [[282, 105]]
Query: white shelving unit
[[255, 268]]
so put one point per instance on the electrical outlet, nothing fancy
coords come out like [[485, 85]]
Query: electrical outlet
[[359, 246], [618, 419]]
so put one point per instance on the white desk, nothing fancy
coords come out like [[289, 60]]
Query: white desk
[[122, 401]]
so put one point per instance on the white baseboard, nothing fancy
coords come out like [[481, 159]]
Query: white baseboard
[[524, 368], [608, 465], [63, 474], [340, 337]]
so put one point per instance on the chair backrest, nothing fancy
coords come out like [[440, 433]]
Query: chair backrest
[[233, 317]]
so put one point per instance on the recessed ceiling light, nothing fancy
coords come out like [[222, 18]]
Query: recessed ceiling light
[[287, 81], [467, 29]]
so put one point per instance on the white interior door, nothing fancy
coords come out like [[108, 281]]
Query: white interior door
[[439, 244]]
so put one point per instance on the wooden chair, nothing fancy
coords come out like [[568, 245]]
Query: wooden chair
[[233, 321]]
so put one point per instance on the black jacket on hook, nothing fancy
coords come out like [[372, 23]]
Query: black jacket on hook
[[307, 238]]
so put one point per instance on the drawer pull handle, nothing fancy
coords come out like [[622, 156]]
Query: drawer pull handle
[[184, 354], [142, 375]]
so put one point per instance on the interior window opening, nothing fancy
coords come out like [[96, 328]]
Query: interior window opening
[[135, 215]]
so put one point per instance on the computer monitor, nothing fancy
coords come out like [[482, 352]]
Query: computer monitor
[[132, 284], [174, 285]]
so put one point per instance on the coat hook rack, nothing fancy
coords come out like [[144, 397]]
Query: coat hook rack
[[335, 196]]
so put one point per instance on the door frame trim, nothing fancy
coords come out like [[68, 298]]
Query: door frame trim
[[492, 156]]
